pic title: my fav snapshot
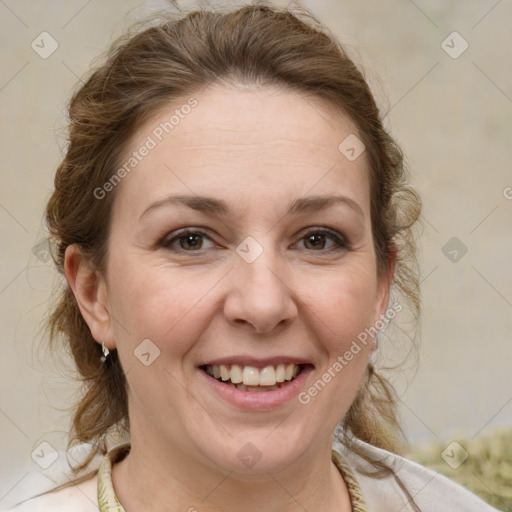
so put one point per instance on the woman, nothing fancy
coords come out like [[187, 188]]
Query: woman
[[231, 218]]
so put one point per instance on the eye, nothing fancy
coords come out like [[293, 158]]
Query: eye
[[187, 240], [191, 240], [317, 240]]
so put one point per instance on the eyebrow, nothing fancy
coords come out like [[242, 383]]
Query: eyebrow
[[214, 206]]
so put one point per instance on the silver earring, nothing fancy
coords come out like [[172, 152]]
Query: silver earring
[[105, 351]]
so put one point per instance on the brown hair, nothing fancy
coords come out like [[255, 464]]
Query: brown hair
[[175, 58]]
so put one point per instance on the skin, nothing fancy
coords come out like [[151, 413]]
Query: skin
[[258, 149]]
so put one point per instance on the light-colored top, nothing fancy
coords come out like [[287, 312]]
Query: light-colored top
[[431, 491]]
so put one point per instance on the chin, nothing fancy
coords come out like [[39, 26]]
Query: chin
[[256, 453]]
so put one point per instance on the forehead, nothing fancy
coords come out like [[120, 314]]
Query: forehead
[[252, 144]]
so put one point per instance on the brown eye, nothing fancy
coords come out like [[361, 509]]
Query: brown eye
[[191, 241], [318, 240], [188, 241]]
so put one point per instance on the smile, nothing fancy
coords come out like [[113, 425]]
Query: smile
[[250, 378]]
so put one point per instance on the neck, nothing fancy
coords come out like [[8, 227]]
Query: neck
[[151, 479]]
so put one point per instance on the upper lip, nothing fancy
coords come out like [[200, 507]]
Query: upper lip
[[257, 362]]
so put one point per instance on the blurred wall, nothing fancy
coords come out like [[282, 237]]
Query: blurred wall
[[442, 72]]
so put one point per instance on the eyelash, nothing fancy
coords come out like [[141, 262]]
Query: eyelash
[[166, 242]]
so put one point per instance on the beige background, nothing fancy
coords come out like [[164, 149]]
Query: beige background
[[453, 118]]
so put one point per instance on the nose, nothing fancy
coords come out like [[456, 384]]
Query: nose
[[260, 294]]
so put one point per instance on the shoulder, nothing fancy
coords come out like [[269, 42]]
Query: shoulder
[[41, 489], [431, 490], [81, 497]]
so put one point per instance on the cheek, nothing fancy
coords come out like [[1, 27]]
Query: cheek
[[342, 313], [164, 305], [345, 305]]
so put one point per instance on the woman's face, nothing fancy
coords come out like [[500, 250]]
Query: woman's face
[[241, 249]]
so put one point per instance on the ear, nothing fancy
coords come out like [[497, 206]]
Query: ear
[[90, 291]]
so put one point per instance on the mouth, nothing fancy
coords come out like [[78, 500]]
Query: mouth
[[253, 379]]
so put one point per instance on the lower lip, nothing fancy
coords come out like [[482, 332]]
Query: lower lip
[[258, 400]]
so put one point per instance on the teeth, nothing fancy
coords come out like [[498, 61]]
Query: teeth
[[236, 374], [243, 376], [251, 376], [289, 372], [267, 376], [224, 372], [280, 373]]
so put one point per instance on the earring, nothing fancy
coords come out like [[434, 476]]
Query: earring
[[105, 351]]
